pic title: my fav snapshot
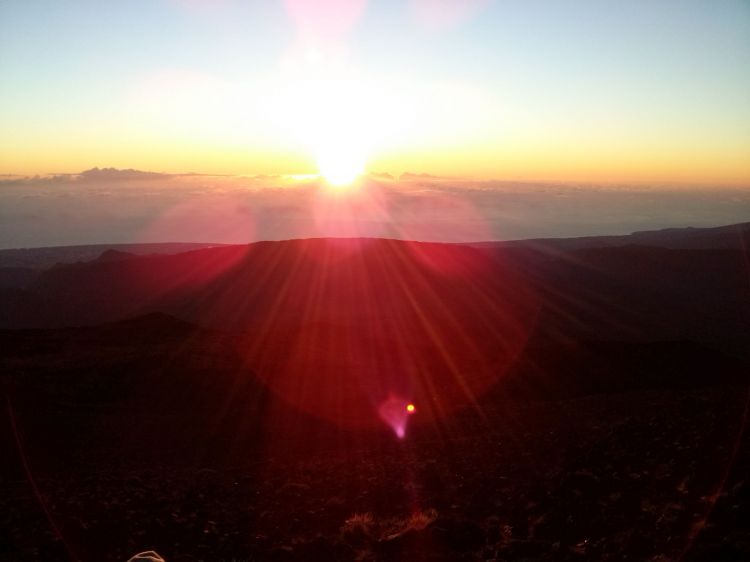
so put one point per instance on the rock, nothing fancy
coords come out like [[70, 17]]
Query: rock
[[148, 556], [458, 535], [281, 553], [322, 549]]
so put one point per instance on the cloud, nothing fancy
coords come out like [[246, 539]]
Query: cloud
[[94, 175], [107, 205], [113, 174], [410, 176]]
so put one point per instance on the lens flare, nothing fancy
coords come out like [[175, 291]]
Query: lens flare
[[395, 412]]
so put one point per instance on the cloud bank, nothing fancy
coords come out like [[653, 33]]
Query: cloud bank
[[123, 206]]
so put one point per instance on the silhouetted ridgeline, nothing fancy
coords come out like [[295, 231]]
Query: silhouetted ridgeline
[[733, 237], [627, 293]]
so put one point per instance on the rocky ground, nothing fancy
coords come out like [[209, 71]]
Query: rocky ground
[[651, 475]]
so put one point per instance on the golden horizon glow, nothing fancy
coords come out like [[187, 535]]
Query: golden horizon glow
[[583, 161], [340, 174], [331, 97]]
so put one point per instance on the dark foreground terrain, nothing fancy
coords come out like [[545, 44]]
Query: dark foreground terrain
[[223, 404]]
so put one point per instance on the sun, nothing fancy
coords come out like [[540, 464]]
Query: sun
[[336, 116], [339, 164]]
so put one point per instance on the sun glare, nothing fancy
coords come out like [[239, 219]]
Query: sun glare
[[339, 165], [337, 130], [336, 118]]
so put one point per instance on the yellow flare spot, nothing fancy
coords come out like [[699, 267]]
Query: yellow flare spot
[[410, 408]]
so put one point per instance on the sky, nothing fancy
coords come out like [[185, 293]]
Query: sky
[[652, 92]]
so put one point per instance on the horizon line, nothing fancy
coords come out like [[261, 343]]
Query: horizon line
[[426, 176], [342, 238]]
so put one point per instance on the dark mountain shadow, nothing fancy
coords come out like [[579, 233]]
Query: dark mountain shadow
[[729, 237], [585, 404]]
